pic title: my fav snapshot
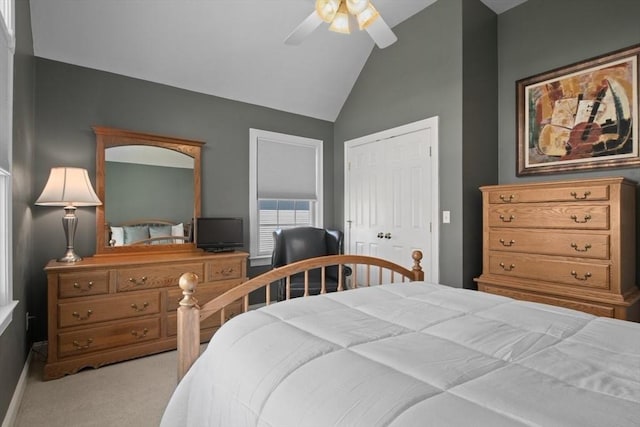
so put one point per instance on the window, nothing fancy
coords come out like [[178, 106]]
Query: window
[[285, 187], [273, 214], [7, 44]]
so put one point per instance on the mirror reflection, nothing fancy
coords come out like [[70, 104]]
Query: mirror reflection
[[148, 195]]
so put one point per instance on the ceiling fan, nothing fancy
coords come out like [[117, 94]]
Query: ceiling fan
[[341, 14]]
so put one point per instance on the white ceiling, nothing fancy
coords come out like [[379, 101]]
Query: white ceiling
[[228, 48]]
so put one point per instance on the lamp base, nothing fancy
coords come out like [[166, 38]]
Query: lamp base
[[69, 223], [70, 256]]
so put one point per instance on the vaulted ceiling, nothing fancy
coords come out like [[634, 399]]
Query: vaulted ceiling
[[228, 48]]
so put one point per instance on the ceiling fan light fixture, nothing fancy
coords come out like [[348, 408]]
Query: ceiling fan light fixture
[[357, 6], [340, 23], [367, 16], [327, 9]]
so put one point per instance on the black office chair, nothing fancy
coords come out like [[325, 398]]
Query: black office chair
[[295, 244]]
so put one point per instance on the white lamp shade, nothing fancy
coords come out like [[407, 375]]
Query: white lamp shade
[[327, 9], [340, 23], [357, 6], [68, 187]]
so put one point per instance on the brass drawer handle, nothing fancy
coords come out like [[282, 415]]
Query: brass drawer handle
[[505, 268], [227, 271], [387, 235], [507, 244], [140, 335], [81, 289], [138, 309], [585, 277], [510, 219], [587, 217], [584, 196], [79, 346], [507, 199], [586, 247], [137, 282], [80, 317]]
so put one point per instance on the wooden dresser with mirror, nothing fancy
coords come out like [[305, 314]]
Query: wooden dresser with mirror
[[121, 303]]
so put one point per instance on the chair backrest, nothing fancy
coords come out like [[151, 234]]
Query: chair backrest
[[294, 244]]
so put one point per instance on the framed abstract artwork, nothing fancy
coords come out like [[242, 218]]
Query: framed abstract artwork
[[579, 117]]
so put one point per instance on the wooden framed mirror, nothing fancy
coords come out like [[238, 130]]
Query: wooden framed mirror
[[149, 186]]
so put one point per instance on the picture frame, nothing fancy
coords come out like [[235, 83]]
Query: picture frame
[[579, 117]]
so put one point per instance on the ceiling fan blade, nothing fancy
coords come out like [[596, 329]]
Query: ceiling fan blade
[[381, 33], [305, 28]]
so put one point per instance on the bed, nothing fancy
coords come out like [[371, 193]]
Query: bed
[[408, 353]]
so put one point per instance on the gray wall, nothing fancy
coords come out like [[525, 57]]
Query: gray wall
[[14, 342], [423, 75], [70, 99], [479, 127], [541, 35]]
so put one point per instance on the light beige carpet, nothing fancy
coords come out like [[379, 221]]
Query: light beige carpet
[[132, 393]]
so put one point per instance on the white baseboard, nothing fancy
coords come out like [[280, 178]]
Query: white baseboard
[[14, 406]]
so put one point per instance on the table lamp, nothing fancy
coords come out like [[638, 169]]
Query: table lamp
[[68, 187]]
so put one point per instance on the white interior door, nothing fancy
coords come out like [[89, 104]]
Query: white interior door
[[391, 195]]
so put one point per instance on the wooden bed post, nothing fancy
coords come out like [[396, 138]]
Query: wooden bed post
[[418, 273], [188, 324]]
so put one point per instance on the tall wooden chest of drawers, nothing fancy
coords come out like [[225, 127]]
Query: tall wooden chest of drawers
[[566, 243], [111, 308]]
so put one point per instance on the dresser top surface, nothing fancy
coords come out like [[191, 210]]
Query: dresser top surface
[[141, 259], [563, 183]]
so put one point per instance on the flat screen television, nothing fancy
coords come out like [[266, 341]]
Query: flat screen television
[[219, 234]]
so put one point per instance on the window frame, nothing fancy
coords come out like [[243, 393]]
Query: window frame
[[7, 304], [255, 257]]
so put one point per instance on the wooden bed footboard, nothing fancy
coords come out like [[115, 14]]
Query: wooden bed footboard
[[366, 271]]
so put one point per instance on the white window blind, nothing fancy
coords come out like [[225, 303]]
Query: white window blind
[[286, 171], [285, 187]]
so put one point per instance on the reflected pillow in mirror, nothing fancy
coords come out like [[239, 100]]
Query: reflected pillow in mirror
[[178, 230], [117, 236], [135, 233], [160, 231]]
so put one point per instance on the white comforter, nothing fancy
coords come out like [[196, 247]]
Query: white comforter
[[413, 354]]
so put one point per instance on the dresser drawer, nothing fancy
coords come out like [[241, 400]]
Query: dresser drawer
[[587, 307], [565, 216], [80, 284], [550, 243], [231, 269], [550, 194], [558, 271], [101, 338], [212, 321], [204, 293], [108, 308], [155, 276]]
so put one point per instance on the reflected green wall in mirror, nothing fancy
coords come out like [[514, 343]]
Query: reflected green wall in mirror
[[137, 191]]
